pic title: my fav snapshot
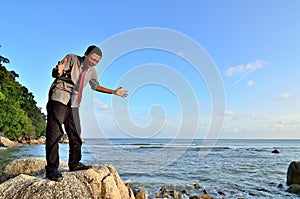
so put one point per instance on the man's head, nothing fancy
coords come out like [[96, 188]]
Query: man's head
[[93, 55]]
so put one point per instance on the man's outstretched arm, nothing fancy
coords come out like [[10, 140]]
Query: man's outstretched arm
[[118, 91]]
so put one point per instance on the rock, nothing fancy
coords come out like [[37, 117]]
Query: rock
[[32, 139], [280, 186], [6, 142], [197, 186], [276, 151], [221, 193], [294, 188], [30, 166], [41, 140], [176, 195], [102, 181], [293, 173], [262, 189], [141, 194], [29, 140], [204, 196], [24, 141], [64, 139], [163, 189], [158, 195]]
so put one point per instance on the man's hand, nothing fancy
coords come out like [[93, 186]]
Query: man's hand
[[60, 66], [121, 93]]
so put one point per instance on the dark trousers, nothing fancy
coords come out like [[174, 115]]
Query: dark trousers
[[57, 115]]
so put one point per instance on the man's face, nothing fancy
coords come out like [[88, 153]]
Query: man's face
[[92, 60]]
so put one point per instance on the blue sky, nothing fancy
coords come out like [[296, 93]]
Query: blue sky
[[254, 45]]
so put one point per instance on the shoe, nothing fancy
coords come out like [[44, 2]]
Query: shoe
[[53, 175], [79, 166]]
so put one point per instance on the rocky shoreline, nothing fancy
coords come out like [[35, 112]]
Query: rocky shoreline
[[25, 178], [5, 142], [32, 169]]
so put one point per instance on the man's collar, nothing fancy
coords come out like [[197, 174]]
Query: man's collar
[[81, 63]]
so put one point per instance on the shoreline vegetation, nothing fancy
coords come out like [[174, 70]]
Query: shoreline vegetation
[[19, 115]]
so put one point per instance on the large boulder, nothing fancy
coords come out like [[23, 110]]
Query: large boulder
[[294, 188], [6, 142], [293, 173], [26, 179]]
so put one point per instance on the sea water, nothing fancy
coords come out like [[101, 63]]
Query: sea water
[[223, 168]]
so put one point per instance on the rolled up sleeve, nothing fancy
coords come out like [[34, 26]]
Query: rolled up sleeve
[[94, 83]]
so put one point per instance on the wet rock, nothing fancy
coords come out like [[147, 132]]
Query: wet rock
[[263, 190], [204, 196], [276, 151], [197, 186], [163, 189], [141, 194], [102, 181], [176, 195], [221, 193], [280, 186], [294, 188], [293, 173], [159, 195]]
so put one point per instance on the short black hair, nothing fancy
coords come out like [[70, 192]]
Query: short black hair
[[93, 49]]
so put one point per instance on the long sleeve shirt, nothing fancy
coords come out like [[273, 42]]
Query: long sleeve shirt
[[66, 86]]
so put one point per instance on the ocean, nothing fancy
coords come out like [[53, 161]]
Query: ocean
[[225, 168]]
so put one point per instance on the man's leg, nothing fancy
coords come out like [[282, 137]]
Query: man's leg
[[56, 112], [73, 129]]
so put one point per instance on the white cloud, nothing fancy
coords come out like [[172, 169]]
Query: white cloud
[[256, 125], [285, 95], [280, 126], [250, 83], [229, 113], [286, 124], [244, 68], [101, 105]]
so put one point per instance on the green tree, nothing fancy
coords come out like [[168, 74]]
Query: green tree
[[19, 114]]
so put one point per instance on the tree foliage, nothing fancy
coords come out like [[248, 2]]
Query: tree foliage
[[19, 114]]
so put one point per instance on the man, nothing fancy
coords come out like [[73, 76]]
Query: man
[[71, 74]]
